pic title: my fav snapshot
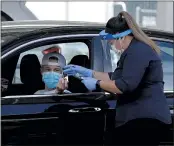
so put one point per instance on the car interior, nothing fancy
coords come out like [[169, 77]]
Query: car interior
[[30, 74], [31, 77], [8, 70]]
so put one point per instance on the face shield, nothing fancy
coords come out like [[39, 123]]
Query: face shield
[[108, 40]]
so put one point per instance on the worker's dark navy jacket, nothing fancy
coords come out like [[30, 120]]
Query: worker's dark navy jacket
[[139, 76]]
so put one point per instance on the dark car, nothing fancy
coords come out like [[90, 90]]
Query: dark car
[[84, 118]]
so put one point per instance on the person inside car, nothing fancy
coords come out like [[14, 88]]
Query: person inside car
[[142, 113], [52, 74]]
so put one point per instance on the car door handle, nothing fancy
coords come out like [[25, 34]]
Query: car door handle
[[85, 109], [28, 119]]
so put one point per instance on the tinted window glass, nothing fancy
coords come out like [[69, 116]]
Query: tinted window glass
[[167, 60]]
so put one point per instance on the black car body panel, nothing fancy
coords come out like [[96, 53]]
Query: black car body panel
[[54, 120]]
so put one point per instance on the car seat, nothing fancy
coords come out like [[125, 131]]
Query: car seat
[[30, 74], [75, 85]]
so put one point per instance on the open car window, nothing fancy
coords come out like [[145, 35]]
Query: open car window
[[24, 68], [68, 50]]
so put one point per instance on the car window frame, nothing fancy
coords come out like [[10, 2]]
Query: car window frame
[[46, 40], [58, 39], [33, 49]]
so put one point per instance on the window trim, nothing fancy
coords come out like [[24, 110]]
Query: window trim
[[161, 39], [45, 96], [46, 39]]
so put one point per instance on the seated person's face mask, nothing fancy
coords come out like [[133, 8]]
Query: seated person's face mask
[[51, 76]]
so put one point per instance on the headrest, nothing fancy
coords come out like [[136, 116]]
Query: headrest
[[30, 70], [81, 60]]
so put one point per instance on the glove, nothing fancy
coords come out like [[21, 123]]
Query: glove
[[72, 70], [90, 83]]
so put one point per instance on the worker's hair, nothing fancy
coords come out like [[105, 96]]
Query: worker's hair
[[137, 32]]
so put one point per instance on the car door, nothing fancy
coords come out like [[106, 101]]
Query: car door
[[61, 119], [53, 120]]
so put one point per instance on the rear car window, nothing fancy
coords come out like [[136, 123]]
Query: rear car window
[[167, 62]]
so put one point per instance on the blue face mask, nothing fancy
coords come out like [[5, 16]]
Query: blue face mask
[[51, 79]]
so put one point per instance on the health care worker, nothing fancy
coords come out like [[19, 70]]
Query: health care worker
[[142, 113]]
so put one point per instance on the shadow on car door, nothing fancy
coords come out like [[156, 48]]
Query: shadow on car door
[[53, 120]]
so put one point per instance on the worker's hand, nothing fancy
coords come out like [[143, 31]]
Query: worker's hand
[[62, 85], [72, 70], [90, 83]]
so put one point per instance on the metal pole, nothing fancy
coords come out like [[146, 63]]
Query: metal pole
[[67, 10], [138, 15]]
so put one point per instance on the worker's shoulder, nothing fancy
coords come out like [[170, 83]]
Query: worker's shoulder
[[140, 46], [142, 49]]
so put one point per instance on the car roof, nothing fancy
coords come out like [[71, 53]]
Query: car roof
[[12, 30], [29, 25], [48, 22]]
